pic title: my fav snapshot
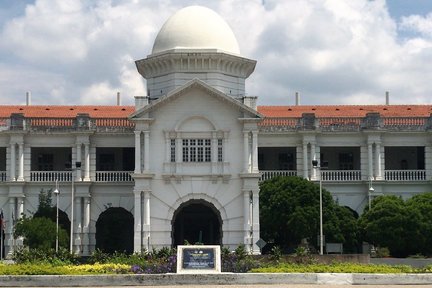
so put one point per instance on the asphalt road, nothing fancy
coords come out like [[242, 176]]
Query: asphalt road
[[269, 286]]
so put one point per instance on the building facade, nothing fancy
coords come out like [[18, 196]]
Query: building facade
[[184, 163]]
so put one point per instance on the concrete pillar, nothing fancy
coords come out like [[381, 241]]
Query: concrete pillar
[[10, 241], [78, 224], [137, 220], [20, 162], [247, 225], [254, 152], [313, 157], [378, 173], [86, 227], [86, 162], [255, 221], [137, 152], [146, 150], [370, 161], [12, 162], [305, 161], [146, 240], [246, 152], [78, 159]]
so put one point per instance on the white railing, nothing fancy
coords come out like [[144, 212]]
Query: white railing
[[268, 174], [113, 176], [2, 176], [405, 175], [50, 176], [341, 175]]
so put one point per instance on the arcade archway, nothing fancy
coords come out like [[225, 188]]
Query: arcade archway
[[114, 231], [197, 221]]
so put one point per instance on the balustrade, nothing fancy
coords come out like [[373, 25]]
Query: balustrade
[[113, 176], [341, 175], [268, 174], [51, 176], [405, 175]]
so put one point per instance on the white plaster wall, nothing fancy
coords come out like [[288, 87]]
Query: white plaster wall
[[226, 196]]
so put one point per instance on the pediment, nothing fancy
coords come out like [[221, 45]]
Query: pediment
[[248, 112]]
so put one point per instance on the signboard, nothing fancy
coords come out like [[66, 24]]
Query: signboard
[[198, 259]]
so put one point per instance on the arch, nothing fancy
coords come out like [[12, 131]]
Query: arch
[[195, 123], [115, 231], [196, 196], [196, 221]]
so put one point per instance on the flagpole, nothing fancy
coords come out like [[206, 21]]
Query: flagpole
[[1, 234]]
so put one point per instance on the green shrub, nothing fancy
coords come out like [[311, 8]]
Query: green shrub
[[48, 256], [335, 268]]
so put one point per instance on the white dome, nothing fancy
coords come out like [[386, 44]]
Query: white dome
[[196, 27]]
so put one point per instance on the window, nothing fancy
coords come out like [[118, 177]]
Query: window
[[196, 150], [173, 150], [220, 150], [45, 162]]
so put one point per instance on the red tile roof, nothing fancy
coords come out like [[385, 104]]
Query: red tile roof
[[347, 110], [53, 111]]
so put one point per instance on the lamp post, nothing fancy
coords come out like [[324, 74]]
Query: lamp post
[[57, 192], [321, 236]]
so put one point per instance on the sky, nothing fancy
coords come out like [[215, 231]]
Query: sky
[[333, 52]]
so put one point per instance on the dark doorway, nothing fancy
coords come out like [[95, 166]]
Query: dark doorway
[[114, 231], [197, 221]]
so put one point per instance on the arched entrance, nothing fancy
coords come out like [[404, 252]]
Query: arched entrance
[[197, 221], [114, 231]]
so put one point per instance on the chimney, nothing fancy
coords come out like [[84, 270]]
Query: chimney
[[297, 99], [28, 98], [387, 98], [141, 101], [118, 99]]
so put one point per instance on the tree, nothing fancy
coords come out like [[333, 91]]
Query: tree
[[39, 233], [391, 223], [289, 212], [422, 203], [39, 230]]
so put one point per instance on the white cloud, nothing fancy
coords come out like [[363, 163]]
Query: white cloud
[[419, 24], [333, 52]]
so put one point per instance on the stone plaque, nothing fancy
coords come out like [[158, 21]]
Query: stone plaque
[[198, 259]]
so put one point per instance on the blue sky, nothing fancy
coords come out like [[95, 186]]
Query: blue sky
[[330, 51]]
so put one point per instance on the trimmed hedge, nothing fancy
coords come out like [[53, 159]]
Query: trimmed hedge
[[49, 269]]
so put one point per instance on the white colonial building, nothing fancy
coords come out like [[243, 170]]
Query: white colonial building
[[184, 164]]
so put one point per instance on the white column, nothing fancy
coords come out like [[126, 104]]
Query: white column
[[12, 162], [137, 152], [137, 220], [86, 227], [370, 161], [254, 151], [20, 162], [10, 227], [378, 161], [305, 161], [78, 159], [146, 150], [255, 222], [246, 152], [146, 227], [87, 161], [247, 219], [167, 148], [214, 152], [78, 223], [20, 212], [313, 157]]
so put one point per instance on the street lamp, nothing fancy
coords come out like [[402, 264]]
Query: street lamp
[[321, 237], [57, 192]]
